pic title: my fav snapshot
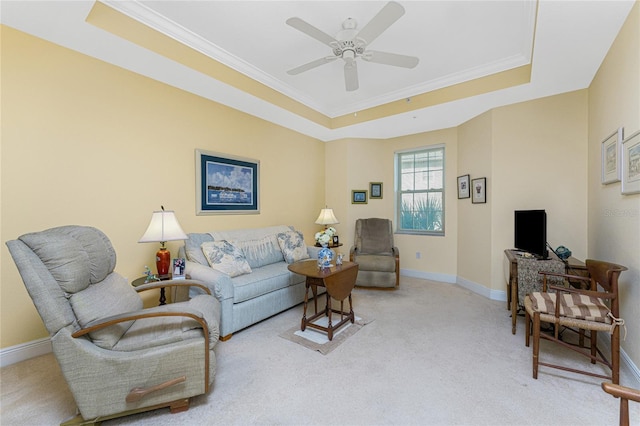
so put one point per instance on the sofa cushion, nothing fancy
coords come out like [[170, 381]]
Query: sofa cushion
[[112, 296], [225, 257], [260, 252], [292, 246], [261, 281]]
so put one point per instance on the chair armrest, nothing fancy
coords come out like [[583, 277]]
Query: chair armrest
[[568, 276], [621, 391], [590, 293], [158, 311], [172, 283]]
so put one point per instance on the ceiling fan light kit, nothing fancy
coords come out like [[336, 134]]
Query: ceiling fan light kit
[[350, 44]]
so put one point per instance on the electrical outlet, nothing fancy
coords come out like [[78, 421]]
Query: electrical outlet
[[417, 255]]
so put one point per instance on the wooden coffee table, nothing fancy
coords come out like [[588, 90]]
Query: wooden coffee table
[[339, 282]]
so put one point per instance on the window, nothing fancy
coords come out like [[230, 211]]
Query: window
[[420, 195]]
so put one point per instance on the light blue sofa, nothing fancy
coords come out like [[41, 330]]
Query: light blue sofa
[[248, 298]]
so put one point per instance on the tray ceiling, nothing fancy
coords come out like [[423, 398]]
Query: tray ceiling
[[473, 55]]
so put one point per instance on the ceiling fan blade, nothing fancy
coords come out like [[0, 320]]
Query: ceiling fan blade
[[389, 14], [311, 31], [387, 58], [351, 75], [311, 65]]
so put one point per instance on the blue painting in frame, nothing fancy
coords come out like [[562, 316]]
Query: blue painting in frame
[[226, 184]]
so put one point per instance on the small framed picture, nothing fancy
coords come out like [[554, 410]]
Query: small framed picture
[[359, 196], [463, 187], [178, 269], [336, 240], [375, 190], [611, 157], [631, 164], [479, 190]]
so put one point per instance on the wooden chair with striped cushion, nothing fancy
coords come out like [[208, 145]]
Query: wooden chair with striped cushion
[[578, 310]]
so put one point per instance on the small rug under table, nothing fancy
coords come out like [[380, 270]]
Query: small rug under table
[[317, 340]]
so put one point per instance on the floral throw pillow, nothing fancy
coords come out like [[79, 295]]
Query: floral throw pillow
[[226, 258], [292, 245]]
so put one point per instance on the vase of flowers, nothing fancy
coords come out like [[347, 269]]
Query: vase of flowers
[[325, 255], [323, 238]]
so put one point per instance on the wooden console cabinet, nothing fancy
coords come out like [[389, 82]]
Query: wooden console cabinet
[[572, 266]]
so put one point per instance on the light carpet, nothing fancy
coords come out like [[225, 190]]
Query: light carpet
[[436, 354], [318, 340]]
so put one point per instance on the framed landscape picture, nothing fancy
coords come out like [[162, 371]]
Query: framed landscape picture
[[611, 157], [359, 196], [226, 184], [631, 164]]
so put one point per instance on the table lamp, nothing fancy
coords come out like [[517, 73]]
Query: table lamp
[[163, 227], [326, 218]]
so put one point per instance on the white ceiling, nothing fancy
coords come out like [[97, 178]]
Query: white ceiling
[[456, 41]]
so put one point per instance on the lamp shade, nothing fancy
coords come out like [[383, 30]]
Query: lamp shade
[[163, 227], [326, 217]]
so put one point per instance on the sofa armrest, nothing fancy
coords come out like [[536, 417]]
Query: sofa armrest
[[218, 282]]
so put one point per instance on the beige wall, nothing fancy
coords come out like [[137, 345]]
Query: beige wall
[[354, 163], [84, 142], [540, 162], [614, 219], [474, 220], [533, 155]]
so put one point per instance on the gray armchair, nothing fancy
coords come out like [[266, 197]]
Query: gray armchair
[[116, 357], [374, 252]]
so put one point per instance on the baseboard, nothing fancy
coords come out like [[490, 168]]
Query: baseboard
[[445, 278], [500, 295], [462, 282], [24, 351]]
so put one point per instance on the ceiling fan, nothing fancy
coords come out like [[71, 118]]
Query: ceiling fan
[[351, 44]]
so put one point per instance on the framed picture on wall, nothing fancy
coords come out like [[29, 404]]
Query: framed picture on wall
[[479, 190], [463, 187], [359, 196], [631, 164], [611, 157], [226, 184], [375, 190]]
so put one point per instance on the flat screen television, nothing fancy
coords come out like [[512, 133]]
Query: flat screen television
[[530, 232]]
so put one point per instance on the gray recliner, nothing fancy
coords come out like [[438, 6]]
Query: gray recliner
[[116, 357], [375, 253]]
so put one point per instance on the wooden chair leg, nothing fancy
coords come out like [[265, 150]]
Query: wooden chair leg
[[527, 328], [615, 356], [536, 343], [624, 412], [593, 337]]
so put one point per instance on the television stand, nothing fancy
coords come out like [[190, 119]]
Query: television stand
[[572, 266]]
